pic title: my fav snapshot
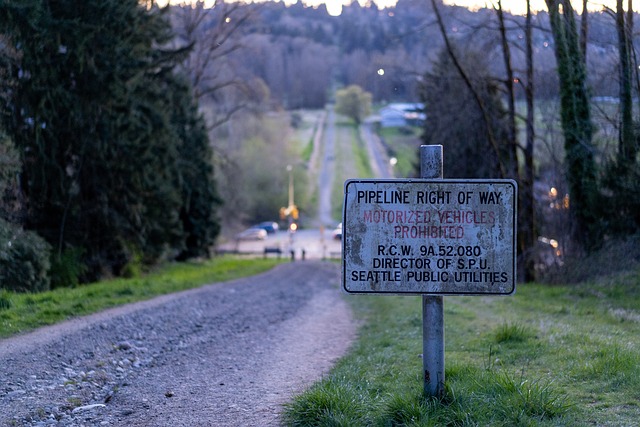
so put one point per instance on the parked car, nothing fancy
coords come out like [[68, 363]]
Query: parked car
[[268, 226], [253, 233], [337, 233]]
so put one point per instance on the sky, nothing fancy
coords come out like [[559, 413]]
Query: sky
[[334, 7]]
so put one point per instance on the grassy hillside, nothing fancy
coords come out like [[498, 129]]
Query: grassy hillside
[[546, 356]]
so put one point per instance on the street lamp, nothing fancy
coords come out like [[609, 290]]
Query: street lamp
[[392, 162], [291, 208], [290, 170]]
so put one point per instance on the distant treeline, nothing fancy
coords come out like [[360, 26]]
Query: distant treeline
[[301, 52]]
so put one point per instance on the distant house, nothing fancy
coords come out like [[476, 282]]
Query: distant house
[[402, 114]]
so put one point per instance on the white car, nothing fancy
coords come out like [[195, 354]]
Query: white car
[[337, 233], [253, 233]]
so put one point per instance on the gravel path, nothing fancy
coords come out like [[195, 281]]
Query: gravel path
[[227, 354]]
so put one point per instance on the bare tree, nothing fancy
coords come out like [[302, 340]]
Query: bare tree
[[505, 168], [527, 204], [526, 177], [509, 83], [215, 35], [508, 155], [526, 210], [626, 133], [621, 177]]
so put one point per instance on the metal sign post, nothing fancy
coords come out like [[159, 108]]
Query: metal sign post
[[431, 237], [431, 166]]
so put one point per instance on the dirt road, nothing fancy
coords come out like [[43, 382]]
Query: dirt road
[[226, 354]]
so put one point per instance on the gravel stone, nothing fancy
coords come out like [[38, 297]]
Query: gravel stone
[[226, 354]]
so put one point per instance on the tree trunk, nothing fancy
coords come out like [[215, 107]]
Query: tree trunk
[[467, 80], [526, 233], [512, 161], [584, 29], [527, 215], [626, 142], [577, 126]]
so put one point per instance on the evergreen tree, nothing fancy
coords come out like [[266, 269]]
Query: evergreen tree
[[455, 120], [199, 196], [93, 116]]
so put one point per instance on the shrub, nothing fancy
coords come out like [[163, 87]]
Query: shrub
[[5, 300], [67, 268], [24, 259], [133, 268]]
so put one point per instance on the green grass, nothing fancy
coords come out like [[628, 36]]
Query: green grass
[[24, 312], [305, 155], [348, 162], [404, 144], [310, 127], [546, 356], [350, 145], [361, 156], [305, 132]]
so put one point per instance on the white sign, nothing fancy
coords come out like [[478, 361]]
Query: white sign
[[441, 237]]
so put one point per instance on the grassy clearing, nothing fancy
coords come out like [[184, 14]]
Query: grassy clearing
[[352, 161], [404, 145], [361, 156], [24, 312], [546, 356], [304, 132]]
